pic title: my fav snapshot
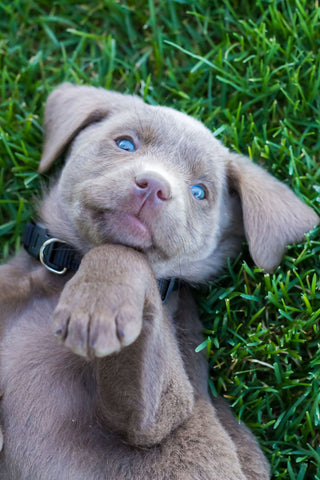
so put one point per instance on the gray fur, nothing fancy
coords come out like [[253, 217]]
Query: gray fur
[[120, 392]]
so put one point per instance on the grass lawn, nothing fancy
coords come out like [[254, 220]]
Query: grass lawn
[[251, 72]]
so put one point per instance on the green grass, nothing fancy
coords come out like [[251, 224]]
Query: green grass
[[251, 72]]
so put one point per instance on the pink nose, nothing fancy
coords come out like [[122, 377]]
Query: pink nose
[[154, 185]]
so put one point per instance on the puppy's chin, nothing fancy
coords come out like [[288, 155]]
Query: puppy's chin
[[124, 228]]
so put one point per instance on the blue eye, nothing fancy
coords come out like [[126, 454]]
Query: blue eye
[[126, 144], [198, 191]]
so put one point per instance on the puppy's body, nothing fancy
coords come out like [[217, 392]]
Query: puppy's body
[[123, 394]]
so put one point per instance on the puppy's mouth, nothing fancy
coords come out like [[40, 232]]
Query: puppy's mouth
[[125, 228]]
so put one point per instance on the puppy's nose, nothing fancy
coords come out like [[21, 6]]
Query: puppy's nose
[[151, 183]]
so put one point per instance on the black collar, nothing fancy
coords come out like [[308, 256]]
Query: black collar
[[58, 257]]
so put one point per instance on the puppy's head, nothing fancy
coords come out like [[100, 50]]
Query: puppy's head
[[157, 180]]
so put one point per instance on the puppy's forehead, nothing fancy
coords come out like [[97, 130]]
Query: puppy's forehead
[[155, 124]]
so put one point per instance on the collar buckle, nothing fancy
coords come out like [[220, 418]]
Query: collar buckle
[[45, 254]]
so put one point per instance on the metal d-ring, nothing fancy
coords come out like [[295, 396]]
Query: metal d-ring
[[42, 259]]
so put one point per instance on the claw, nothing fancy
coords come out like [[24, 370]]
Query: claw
[[120, 333]]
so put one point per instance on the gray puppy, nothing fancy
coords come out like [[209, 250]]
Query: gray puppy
[[147, 193]]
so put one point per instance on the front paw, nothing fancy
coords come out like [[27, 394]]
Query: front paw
[[96, 319]]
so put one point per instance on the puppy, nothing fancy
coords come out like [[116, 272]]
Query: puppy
[[99, 375]]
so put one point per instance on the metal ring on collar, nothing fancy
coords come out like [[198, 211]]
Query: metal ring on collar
[[42, 256]]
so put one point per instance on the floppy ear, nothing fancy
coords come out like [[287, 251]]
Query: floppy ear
[[273, 216], [70, 108]]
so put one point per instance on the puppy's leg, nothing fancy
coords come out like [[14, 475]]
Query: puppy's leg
[[253, 462], [113, 302], [143, 391], [189, 332]]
